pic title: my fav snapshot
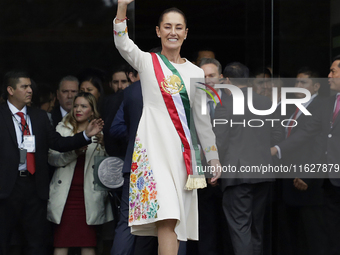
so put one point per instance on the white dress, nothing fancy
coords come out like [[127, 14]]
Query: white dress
[[158, 172]]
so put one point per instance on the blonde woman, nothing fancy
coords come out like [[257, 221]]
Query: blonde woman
[[74, 206]]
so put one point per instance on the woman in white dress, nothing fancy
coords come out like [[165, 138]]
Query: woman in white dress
[[163, 192]]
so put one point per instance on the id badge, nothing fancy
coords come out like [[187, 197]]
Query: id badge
[[29, 143], [23, 153]]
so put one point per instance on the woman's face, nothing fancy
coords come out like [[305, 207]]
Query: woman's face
[[172, 30], [82, 110], [87, 86]]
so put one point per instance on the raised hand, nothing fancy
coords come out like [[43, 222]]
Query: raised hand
[[126, 2], [121, 10], [94, 127]]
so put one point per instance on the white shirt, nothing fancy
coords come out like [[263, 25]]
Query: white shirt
[[63, 112], [17, 124], [336, 99]]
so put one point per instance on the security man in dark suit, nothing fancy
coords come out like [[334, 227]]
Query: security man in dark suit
[[303, 198], [326, 122], [26, 136], [244, 199]]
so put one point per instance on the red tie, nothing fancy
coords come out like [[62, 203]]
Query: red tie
[[337, 107], [291, 122], [30, 159]]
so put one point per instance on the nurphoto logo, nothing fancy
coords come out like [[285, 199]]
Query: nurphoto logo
[[239, 103]]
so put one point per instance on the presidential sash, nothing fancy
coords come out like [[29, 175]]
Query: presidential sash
[[176, 99]]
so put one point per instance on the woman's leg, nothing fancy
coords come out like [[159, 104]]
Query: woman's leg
[[60, 251], [88, 251], [167, 238]]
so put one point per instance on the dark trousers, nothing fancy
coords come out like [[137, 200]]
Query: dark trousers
[[213, 239], [302, 230], [123, 242], [332, 217], [25, 208], [244, 207]]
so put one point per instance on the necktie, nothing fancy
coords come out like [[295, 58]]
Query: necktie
[[211, 109], [337, 107], [291, 122], [30, 159]]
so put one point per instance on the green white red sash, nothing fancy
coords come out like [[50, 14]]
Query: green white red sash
[[177, 102]]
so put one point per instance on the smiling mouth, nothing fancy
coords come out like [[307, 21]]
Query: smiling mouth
[[173, 39]]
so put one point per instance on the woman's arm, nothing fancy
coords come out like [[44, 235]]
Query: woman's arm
[[203, 126], [121, 10], [126, 47], [206, 134], [60, 159]]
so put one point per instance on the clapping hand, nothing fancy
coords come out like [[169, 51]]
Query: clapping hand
[[94, 127]]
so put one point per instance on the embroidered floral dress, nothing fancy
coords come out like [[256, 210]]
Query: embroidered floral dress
[[158, 172]]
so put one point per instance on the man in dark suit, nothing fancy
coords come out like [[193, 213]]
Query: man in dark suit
[[67, 90], [303, 198], [122, 77], [326, 122], [24, 175], [244, 198], [114, 147], [124, 126]]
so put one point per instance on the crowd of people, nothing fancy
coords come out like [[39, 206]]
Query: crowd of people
[[153, 120]]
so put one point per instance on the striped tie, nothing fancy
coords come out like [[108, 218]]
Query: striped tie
[[30, 159]]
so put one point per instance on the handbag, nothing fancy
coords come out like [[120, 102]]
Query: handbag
[[108, 173]]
